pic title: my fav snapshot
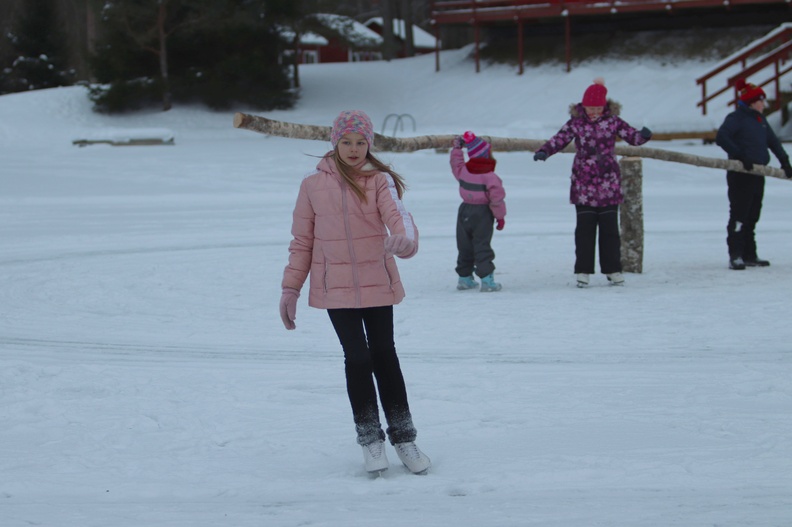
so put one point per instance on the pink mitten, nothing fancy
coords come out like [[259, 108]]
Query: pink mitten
[[400, 246], [288, 307], [458, 142]]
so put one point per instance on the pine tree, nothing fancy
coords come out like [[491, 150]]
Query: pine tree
[[212, 51], [37, 42]]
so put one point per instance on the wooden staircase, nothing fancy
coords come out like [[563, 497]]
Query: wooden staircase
[[765, 58]]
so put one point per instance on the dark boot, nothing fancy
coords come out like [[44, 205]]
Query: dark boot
[[737, 264], [755, 262]]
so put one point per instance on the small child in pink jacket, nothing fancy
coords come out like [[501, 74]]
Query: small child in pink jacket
[[482, 206], [348, 223]]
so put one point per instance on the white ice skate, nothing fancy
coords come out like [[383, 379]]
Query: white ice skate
[[416, 461], [374, 457]]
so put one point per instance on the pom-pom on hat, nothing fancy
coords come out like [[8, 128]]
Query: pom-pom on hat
[[596, 94], [749, 93], [352, 122], [476, 146]]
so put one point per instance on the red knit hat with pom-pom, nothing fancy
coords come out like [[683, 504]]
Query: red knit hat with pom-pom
[[596, 94], [749, 93]]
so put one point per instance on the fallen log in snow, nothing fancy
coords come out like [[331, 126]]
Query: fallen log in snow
[[126, 137]]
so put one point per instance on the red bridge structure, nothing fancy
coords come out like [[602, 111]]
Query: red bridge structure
[[489, 13]]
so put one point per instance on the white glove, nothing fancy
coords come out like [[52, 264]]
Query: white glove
[[399, 245], [288, 307]]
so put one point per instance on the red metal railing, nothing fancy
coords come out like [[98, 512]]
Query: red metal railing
[[469, 11], [774, 49], [489, 12]]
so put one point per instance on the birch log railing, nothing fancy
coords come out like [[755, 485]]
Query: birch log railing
[[631, 214], [384, 143]]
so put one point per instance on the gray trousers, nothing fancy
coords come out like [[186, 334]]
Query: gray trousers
[[474, 237]]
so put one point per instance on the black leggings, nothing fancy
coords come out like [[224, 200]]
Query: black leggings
[[588, 219], [366, 336]]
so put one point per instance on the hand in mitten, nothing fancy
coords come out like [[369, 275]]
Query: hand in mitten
[[501, 223], [747, 165], [288, 307], [645, 133], [541, 155], [458, 142], [399, 245]]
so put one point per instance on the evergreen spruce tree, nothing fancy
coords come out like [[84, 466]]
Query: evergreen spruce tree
[[37, 57], [217, 52]]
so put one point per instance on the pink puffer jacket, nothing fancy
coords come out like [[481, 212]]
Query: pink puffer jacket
[[340, 241]]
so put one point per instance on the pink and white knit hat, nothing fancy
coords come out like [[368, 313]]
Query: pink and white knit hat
[[352, 122], [476, 146]]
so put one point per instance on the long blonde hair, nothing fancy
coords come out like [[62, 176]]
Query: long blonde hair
[[348, 173]]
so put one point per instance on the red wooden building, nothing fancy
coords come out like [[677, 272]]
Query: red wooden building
[[336, 38], [488, 13], [423, 42]]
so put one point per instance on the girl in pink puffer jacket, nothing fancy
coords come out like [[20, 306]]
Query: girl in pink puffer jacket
[[348, 223]]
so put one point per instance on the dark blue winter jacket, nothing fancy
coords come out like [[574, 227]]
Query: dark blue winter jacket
[[745, 135]]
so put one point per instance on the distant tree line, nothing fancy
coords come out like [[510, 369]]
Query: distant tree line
[[138, 53], [33, 48]]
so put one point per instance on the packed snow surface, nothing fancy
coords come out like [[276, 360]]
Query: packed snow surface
[[146, 378]]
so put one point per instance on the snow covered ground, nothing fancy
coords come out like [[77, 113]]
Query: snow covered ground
[[146, 378]]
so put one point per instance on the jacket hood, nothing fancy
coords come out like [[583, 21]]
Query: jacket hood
[[327, 164], [611, 108]]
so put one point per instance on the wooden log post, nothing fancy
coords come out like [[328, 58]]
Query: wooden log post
[[631, 215]]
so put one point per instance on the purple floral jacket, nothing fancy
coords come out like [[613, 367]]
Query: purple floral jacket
[[596, 179]]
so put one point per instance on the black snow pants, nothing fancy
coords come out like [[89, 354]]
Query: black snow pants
[[366, 336], [746, 192], [474, 238], [588, 219]]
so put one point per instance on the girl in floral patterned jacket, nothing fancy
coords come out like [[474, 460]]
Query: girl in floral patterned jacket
[[596, 180]]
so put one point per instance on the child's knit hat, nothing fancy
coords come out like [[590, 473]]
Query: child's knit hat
[[596, 94], [352, 122], [476, 146], [749, 93]]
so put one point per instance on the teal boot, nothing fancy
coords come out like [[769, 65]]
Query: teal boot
[[466, 282], [489, 285]]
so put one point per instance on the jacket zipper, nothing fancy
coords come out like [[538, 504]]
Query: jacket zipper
[[387, 273], [353, 262]]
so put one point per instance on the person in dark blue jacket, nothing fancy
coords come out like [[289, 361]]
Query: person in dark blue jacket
[[746, 137]]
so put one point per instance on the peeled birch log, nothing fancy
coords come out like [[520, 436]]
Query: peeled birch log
[[631, 215], [384, 143]]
